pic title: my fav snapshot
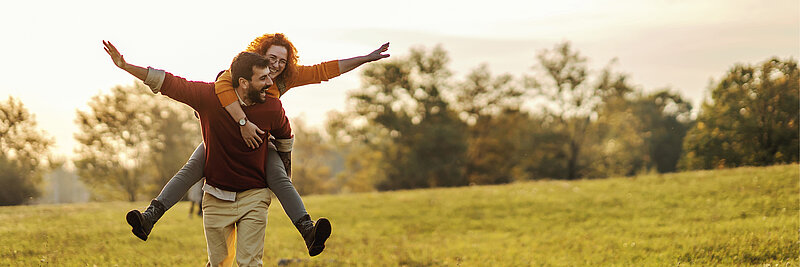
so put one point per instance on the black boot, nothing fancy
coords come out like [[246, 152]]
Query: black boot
[[142, 223], [314, 234]]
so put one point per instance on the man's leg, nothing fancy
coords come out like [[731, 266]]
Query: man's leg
[[219, 224], [191, 172], [278, 181], [252, 205]]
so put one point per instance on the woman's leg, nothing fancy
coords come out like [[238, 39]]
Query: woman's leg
[[185, 178], [314, 234], [191, 172], [280, 184]]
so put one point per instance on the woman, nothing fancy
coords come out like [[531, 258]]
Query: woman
[[286, 74]]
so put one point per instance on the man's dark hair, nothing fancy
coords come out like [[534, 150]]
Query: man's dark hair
[[242, 66]]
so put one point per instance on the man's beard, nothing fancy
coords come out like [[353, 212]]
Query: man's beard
[[255, 95]]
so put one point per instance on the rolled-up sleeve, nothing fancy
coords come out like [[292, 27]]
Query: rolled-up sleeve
[[154, 79]]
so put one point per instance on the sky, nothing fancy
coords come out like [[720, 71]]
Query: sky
[[52, 57]]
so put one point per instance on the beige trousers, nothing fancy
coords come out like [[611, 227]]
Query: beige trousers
[[236, 229]]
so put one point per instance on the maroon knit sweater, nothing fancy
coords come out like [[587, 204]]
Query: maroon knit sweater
[[230, 164]]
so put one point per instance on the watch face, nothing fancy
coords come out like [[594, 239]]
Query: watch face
[[242, 122]]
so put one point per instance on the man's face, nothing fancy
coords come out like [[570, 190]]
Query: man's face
[[277, 56], [257, 88]]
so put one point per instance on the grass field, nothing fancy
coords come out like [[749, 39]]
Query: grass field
[[744, 216]]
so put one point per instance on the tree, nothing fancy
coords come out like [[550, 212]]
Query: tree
[[175, 134], [427, 144], [570, 99], [363, 147], [617, 138], [638, 133], [665, 119], [542, 148], [490, 106], [131, 142], [311, 173], [634, 131], [752, 119], [24, 154]]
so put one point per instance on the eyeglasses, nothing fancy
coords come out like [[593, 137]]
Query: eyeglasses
[[273, 60]]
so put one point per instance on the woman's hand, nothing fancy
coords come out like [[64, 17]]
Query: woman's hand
[[349, 64], [377, 54]]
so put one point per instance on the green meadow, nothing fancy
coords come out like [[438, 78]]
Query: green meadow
[[743, 216]]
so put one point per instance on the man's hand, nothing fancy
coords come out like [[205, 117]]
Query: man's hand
[[119, 61], [112, 51], [376, 55], [250, 134]]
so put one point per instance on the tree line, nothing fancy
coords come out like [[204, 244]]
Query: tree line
[[413, 125]]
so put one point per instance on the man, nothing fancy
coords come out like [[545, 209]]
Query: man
[[236, 199], [286, 74]]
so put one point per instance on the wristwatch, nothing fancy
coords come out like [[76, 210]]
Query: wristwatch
[[242, 121]]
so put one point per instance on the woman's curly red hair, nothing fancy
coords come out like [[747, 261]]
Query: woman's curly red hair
[[264, 42]]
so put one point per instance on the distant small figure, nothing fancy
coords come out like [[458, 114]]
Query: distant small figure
[[287, 262], [297, 262], [195, 196]]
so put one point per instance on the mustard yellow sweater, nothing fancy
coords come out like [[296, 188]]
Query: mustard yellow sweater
[[305, 75]]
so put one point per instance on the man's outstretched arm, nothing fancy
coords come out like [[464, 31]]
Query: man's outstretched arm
[[159, 81]]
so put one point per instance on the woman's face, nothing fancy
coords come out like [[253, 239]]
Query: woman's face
[[277, 56]]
